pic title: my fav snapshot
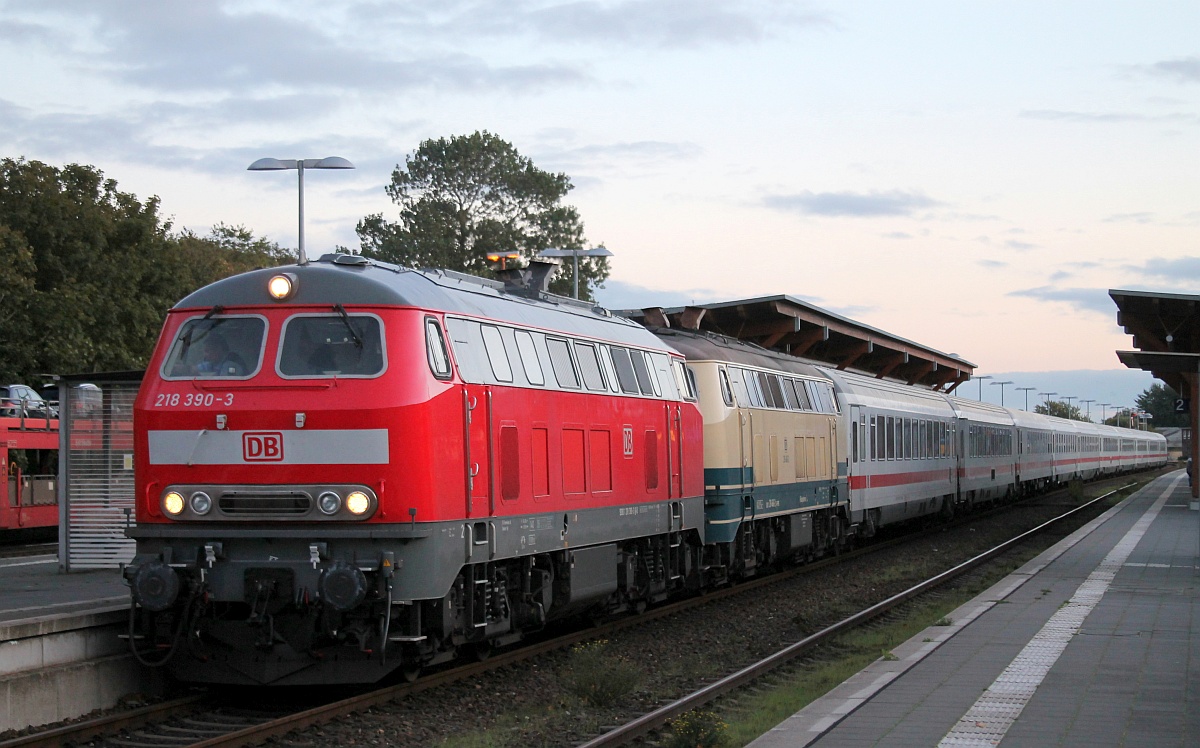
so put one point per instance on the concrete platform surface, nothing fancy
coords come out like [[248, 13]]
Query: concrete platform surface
[[1096, 642], [32, 587]]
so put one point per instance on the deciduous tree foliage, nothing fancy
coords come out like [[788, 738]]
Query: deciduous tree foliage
[[1159, 401], [1061, 410], [89, 271], [463, 197]]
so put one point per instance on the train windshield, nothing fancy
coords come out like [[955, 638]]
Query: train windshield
[[332, 345], [217, 347]]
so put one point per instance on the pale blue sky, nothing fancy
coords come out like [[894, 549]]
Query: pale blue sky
[[973, 176]]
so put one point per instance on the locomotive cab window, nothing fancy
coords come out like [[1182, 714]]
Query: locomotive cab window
[[332, 345], [217, 347], [435, 344]]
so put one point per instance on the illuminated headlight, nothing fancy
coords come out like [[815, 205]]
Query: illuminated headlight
[[358, 502], [329, 502], [173, 503], [201, 502], [281, 286]]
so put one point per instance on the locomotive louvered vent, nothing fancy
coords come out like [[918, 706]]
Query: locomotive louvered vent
[[268, 503]]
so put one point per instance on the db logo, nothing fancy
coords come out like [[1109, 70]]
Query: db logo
[[627, 438], [262, 446]]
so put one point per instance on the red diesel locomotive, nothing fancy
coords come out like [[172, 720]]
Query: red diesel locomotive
[[345, 468]]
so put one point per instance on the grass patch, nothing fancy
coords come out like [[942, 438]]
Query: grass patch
[[758, 713], [598, 677]]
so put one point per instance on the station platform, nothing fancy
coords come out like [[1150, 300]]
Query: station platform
[[1096, 642], [31, 587]]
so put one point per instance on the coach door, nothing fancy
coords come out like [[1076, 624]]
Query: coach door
[[480, 452]]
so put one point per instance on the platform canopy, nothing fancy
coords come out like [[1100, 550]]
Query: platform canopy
[[789, 325], [1166, 331]]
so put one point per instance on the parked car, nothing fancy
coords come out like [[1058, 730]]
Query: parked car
[[18, 400]]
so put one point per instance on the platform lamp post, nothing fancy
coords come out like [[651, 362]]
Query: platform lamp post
[[576, 254], [1047, 400], [987, 376], [1104, 412], [1089, 408], [1068, 399], [280, 164], [1002, 384], [1026, 389]]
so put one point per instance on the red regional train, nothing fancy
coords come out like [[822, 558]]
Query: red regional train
[[29, 496], [346, 468]]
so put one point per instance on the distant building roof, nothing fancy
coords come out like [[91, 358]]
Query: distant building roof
[[793, 326]]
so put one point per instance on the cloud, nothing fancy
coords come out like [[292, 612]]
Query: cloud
[[173, 48], [663, 24], [894, 203], [993, 263], [620, 295], [897, 235], [1184, 70], [1019, 246], [1105, 118], [1179, 269], [643, 152], [1083, 299], [1142, 217]]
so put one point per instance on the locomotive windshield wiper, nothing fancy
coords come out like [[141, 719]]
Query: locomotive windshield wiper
[[187, 336], [341, 310]]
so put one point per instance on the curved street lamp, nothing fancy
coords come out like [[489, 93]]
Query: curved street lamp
[[280, 164], [1002, 384]]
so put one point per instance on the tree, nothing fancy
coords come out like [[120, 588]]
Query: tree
[[464, 197], [90, 271], [1159, 401], [1060, 409]]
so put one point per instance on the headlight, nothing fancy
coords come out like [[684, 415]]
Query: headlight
[[281, 286], [358, 502], [329, 502], [173, 503], [201, 502]]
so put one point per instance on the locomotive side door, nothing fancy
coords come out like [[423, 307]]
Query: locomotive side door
[[674, 451], [479, 452]]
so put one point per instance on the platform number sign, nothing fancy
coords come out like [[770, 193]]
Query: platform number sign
[[627, 438], [1183, 405]]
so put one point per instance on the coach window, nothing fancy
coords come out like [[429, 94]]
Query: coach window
[[624, 367], [435, 344], [497, 356], [560, 361], [889, 434], [874, 439], [589, 367]]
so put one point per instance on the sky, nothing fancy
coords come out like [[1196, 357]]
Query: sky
[[970, 176]]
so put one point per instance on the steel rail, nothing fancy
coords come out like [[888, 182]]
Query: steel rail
[[657, 719], [131, 719]]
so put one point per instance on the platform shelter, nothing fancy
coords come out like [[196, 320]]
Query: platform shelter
[[1166, 333], [790, 325]]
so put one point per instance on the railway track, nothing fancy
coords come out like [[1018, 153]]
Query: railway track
[[199, 720]]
